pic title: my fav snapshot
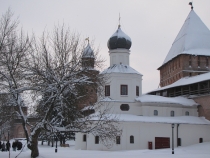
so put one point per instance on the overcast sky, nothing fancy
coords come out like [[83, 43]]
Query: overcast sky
[[151, 24]]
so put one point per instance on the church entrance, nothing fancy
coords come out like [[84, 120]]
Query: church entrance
[[162, 142]]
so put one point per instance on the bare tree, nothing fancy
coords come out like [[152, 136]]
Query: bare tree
[[13, 54], [51, 69]]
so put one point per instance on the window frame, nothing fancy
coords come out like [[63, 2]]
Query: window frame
[[84, 138], [155, 112], [121, 89], [107, 90], [124, 107], [172, 113], [96, 139], [137, 90], [117, 139], [131, 139], [187, 113]]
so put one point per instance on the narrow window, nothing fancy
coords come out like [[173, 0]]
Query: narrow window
[[207, 61], [96, 139], [124, 90], [198, 61], [155, 113], [107, 90], [200, 140], [187, 113], [172, 113], [190, 60], [179, 143], [190, 74], [117, 139], [84, 138], [124, 107], [131, 139], [137, 90]]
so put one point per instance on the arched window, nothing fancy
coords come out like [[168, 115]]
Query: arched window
[[187, 113], [131, 139], [84, 138], [155, 113], [96, 139], [124, 107], [172, 113]]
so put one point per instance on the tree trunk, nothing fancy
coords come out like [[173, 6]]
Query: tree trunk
[[33, 145], [34, 148]]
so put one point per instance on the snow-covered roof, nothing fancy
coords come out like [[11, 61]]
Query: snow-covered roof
[[187, 81], [108, 99], [193, 38], [120, 68], [160, 99], [88, 52], [159, 119]]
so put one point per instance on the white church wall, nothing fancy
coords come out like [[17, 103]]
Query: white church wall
[[190, 134], [146, 132], [80, 144]]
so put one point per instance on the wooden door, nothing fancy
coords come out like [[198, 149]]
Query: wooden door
[[162, 142]]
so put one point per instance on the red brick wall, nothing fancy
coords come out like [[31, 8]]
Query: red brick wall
[[204, 109], [182, 66]]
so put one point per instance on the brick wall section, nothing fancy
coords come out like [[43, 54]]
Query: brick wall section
[[182, 66], [204, 109]]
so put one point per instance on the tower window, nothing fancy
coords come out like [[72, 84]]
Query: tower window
[[172, 113], [137, 90], [107, 90], [198, 61], [124, 90], [117, 139], [155, 113], [132, 139], [96, 139]]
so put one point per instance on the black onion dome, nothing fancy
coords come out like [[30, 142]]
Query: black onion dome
[[119, 40]]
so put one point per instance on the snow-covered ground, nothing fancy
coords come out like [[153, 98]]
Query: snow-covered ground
[[195, 151]]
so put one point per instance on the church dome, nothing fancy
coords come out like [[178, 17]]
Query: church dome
[[119, 40], [88, 52]]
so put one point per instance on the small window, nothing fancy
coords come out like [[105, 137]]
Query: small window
[[124, 107], [132, 139], [207, 61], [96, 139], [155, 113], [124, 90], [200, 140], [107, 90], [118, 140], [187, 113], [198, 61], [179, 143], [172, 113], [190, 74], [84, 138], [137, 90]]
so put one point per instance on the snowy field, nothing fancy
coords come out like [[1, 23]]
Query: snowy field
[[195, 151]]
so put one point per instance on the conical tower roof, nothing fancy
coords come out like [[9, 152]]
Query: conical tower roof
[[193, 38]]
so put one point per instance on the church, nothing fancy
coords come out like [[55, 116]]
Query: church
[[177, 114]]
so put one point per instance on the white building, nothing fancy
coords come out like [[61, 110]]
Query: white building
[[146, 120]]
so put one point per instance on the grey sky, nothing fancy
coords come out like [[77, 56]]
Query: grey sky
[[151, 24]]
